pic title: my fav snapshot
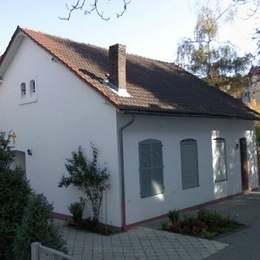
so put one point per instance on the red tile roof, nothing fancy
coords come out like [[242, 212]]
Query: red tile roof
[[155, 87]]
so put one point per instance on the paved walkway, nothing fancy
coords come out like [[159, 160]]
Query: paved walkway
[[147, 242], [244, 244], [138, 243]]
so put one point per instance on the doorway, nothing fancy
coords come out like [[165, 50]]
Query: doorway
[[244, 164], [19, 161]]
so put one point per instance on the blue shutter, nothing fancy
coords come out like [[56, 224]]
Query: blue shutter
[[189, 163], [151, 167]]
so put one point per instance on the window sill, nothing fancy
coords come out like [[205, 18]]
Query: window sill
[[28, 101]]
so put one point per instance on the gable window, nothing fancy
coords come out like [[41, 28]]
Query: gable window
[[151, 167], [219, 159], [28, 92], [189, 163], [23, 90], [32, 88]]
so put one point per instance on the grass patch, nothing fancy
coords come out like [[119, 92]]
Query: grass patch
[[203, 224]]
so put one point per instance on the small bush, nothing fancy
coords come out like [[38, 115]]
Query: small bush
[[205, 224], [14, 191], [76, 209], [166, 225], [37, 226], [87, 177], [21, 220], [174, 216]]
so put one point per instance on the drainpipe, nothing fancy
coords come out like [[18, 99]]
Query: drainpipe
[[122, 170]]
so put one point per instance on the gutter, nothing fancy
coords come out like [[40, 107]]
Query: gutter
[[254, 117], [122, 171]]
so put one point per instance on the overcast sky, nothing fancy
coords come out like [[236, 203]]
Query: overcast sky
[[150, 28]]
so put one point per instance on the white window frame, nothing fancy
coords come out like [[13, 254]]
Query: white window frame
[[219, 159], [28, 92]]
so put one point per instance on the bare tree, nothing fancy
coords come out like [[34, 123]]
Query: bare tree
[[94, 6], [254, 5]]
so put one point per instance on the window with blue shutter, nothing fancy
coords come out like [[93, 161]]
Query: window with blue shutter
[[189, 163], [151, 167], [219, 159]]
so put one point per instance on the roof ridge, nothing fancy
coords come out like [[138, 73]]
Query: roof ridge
[[93, 45]]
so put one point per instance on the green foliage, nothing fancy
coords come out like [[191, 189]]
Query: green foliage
[[257, 129], [85, 174], [14, 191], [166, 225], [37, 226], [204, 223], [6, 154], [174, 216], [76, 209], [23, 215], [216, 63]]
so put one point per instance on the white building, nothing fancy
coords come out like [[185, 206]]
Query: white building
[[168, 139]]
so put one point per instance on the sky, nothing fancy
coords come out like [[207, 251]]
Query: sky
[[149, 28]]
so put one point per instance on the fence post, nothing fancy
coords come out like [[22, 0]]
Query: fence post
[[35, 249]]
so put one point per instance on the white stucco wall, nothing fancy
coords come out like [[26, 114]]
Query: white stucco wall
[[171, 130], [67, 114]]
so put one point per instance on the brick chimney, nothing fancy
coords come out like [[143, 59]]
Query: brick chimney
[[117, 66]]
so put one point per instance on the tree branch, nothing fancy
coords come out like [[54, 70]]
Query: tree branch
[[94, 8], [77, 6]]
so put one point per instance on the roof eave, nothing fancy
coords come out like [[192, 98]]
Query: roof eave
[[11, 51], [188, 114]]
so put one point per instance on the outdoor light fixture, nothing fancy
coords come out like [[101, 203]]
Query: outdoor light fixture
[[29, 152]]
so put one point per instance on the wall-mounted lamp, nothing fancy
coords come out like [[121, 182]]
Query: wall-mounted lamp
[[29, 152], [237, 146]]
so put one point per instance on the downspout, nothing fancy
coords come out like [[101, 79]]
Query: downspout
[[122, 171]]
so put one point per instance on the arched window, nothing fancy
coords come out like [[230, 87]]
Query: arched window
[[219, 159], [32, 88], [189, 163], [23, 90], [151, 167]]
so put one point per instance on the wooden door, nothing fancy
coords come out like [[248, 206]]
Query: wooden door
[[244, 164]]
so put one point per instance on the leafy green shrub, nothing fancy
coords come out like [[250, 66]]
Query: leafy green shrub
[[21, 216], [76, 209], [14, 191], [6, 154], [37, 225], [207, 234], [205, 224], [174, 216], [91, 180], [166, 225]]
